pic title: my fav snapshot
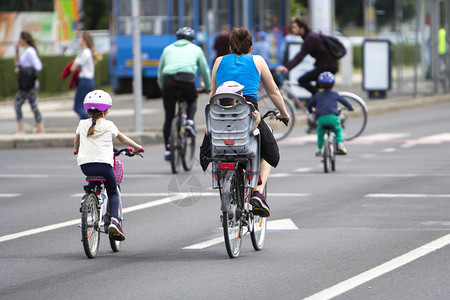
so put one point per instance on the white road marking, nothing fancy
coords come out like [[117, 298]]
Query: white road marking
[[372, 138], [77, 221], [174, 197], [279, 175], [371, 274], [23, 176], [433, 223], [284, 224], [432, 139], [302, 170], [9, 195], [408, 195], [389, 150]]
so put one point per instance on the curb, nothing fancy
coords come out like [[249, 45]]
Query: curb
[[65, 140]]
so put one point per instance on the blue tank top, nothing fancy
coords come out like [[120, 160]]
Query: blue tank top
[[241, 69]]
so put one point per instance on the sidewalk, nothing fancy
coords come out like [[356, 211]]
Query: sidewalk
[[61, 121]]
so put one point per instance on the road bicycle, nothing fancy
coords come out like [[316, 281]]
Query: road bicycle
[[95, 217], [352, 127], [235, 169], [181, 141]]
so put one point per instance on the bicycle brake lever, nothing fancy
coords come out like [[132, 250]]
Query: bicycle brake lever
[[284, 120]]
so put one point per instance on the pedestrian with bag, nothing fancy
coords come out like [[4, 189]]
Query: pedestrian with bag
[[27, 65]]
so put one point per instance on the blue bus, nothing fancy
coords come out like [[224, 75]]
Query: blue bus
[[160, 19]]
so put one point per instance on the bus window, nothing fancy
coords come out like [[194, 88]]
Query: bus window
[[154, 18]]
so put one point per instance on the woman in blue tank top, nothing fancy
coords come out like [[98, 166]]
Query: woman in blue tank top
[[249, 70]]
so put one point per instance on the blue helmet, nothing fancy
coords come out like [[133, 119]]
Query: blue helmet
[[326, 80], [185, 33]]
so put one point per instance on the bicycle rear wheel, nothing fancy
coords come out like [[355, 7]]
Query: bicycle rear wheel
[[280, 131], [175, 146], [231, 218], [333, 149], [326, 155], [259, 226], [90, 230], [353, 122], [188, 150]]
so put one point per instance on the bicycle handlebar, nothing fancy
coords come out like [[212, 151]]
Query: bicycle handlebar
[[128, 152], [275, 113]]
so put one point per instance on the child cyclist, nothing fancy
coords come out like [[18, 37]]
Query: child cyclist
[[326, 110], [94, 146]]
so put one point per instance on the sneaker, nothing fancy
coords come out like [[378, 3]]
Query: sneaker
[[318, 152], [115, 231], [341, 149], [260, 207], [190, 127], [167, 155]]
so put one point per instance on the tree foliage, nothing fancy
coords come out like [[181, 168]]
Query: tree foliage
[[95, 14]]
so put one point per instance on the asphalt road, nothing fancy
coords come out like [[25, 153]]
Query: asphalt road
[[377, 228]]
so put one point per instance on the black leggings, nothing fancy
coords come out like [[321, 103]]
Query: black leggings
[[307, 78], [170, 102], [105, 170]]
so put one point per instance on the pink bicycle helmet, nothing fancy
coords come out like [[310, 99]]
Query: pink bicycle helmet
[[98, 99]]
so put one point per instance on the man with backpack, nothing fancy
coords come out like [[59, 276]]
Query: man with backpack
[[313, 45]]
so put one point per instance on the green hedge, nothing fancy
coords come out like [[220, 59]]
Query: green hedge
[[49, 78]]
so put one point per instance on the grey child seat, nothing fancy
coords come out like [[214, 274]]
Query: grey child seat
[[232, 136]]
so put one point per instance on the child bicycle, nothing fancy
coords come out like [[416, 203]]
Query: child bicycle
[[95, 217], [329, 149], [235, 169]]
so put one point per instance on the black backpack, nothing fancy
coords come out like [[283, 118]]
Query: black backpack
[[334, 46]]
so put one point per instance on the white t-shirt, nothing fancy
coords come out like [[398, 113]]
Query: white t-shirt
[[30, 58], [86, 62], [97, 148]]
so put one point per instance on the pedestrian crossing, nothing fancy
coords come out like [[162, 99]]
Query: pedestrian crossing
[[405, 139]]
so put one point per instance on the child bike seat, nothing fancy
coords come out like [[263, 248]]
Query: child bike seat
[[230, 122]]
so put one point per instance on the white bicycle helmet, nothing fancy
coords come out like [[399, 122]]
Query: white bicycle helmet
[[230, 87], [98, 99]]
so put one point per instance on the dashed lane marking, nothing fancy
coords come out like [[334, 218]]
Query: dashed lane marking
[[284, 224]]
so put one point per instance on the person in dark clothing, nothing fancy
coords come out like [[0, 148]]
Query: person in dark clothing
[[222, 42], [312, 45]]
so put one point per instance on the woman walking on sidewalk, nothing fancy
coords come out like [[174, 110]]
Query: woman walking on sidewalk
[[27, 64], [85, 62]]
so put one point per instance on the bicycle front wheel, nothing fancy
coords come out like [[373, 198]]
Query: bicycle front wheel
[[231, 218], [175, 146], [188, 151], [259, 226], [90, 230], [115, 244], [353, 122], [280, 131]]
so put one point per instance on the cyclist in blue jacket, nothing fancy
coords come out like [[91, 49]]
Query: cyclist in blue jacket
[[324, 104]]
